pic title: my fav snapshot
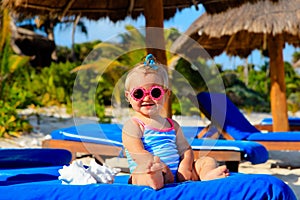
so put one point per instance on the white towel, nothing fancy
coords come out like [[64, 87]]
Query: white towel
[[77, 174]]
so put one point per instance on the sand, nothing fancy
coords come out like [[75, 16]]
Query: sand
[[284, 165]]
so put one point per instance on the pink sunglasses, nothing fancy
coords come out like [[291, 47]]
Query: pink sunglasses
[[155, 92]]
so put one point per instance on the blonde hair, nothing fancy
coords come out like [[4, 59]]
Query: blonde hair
[[159, 69]]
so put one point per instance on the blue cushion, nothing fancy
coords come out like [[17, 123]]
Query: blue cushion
[[109, 134], [275, 136], [251, 151], [30, 157], [237, 186], [293, 121], [26, 175]]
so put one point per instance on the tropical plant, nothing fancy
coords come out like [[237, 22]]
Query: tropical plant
[[54, 84], [293, 102], [10, 123], [246, 97], [292, 80], [111, 60], [102, 69], [259, 87], [259, 80], [295, 56]]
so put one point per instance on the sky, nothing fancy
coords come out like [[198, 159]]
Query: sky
[[104, 30]]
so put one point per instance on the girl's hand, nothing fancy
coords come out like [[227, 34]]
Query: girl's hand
[[151, 176]]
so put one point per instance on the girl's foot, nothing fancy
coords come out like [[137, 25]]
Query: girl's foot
[[219, 172]]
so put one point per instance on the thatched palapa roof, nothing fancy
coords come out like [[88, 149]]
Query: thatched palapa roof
[[114, 9], [240, 30], [93, 9], [218, 6]]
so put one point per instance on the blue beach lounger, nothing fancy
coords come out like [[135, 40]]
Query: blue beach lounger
[[235, 187], [106, 140], [33, 174], [223, 113], [11, 158], [267, 124]]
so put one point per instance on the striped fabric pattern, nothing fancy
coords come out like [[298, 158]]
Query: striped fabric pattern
[[161, 143]]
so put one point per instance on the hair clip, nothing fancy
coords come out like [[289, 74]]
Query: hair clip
[[150, 61]]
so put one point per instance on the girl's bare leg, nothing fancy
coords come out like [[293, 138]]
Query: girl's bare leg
[[207, 169]]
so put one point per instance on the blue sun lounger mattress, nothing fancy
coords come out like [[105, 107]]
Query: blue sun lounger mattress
[[11, 158], [293, 121], [43, 183], [110, 134]]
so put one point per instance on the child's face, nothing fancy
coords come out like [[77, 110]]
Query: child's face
[[146, 93]]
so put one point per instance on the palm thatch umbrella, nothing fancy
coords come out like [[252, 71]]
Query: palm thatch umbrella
[[154, 11], [263, 24]]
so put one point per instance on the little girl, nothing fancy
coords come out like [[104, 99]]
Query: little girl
[[156, 149]]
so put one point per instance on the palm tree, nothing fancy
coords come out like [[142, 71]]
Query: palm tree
[[111, 60]]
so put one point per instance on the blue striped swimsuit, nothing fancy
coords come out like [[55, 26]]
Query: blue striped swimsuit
[[161, 143]]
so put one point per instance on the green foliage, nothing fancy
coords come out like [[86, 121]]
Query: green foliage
[[10, 123], [94, 90], [256, 95], [259, 80], [58, 84], [193, 76], [62, 54], [296, 56], [292, 80], [183, 107], [200, 76], [52, 85], [103, 95], [82, 51], [242, 96], [102, 69], [293, 102]]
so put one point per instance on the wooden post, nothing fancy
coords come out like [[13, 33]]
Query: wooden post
[[278, 88], [155, 42]]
